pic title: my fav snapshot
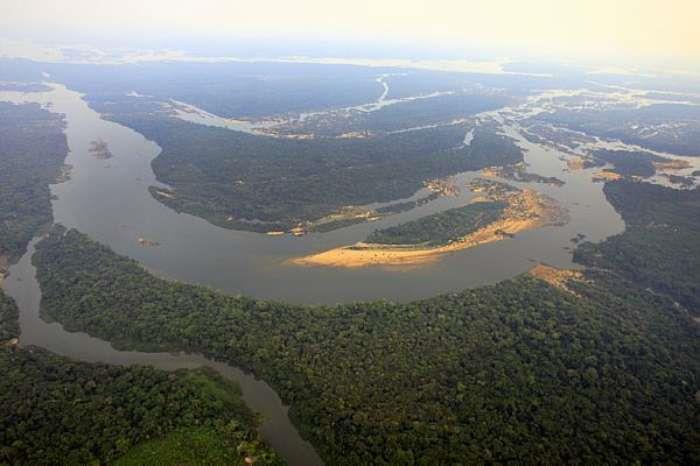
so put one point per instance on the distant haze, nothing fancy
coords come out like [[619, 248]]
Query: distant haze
[[636, 29]]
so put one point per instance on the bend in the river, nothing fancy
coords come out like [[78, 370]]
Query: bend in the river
[[109, 200]]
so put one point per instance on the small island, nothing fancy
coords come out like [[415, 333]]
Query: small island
[[519, 173], [441, 228], [498, 213], [100, 150], [147, 243]]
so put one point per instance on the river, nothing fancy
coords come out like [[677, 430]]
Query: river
[[109, 201]]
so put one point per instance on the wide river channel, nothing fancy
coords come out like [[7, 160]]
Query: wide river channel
[[109, 201]]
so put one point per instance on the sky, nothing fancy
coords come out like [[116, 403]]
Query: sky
[[631, 29]]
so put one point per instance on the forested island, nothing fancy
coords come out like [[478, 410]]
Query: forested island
[[500, 211], [518, 172], [441, 228], [258, 183]]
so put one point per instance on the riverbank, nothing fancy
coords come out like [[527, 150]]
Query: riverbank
[[526, 210], [558, 278]]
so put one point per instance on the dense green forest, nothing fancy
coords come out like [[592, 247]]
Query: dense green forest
[[9, 315], [518, 172], [660, 247], [32, 151], [242, 181], [627, 163], [55, 411], [441, 228], [517, 372]]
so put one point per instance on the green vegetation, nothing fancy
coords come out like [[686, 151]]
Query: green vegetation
[[627, 163], [516, 372], [519, 372], [660, 247], [336, 224], [55, 411], [242, 181], [32, 151], [225, 444], [9, 325], [441, 228], [519, 173]]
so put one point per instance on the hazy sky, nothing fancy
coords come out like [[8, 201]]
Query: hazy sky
[[633, 28]]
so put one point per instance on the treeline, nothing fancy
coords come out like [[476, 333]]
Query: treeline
[[32, 151], [441, 228], [55, 411], [515, 372]]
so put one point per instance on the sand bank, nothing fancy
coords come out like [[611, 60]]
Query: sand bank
[[556, 277], [526, 210]]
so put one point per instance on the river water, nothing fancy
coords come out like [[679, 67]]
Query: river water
[[109, 201]]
